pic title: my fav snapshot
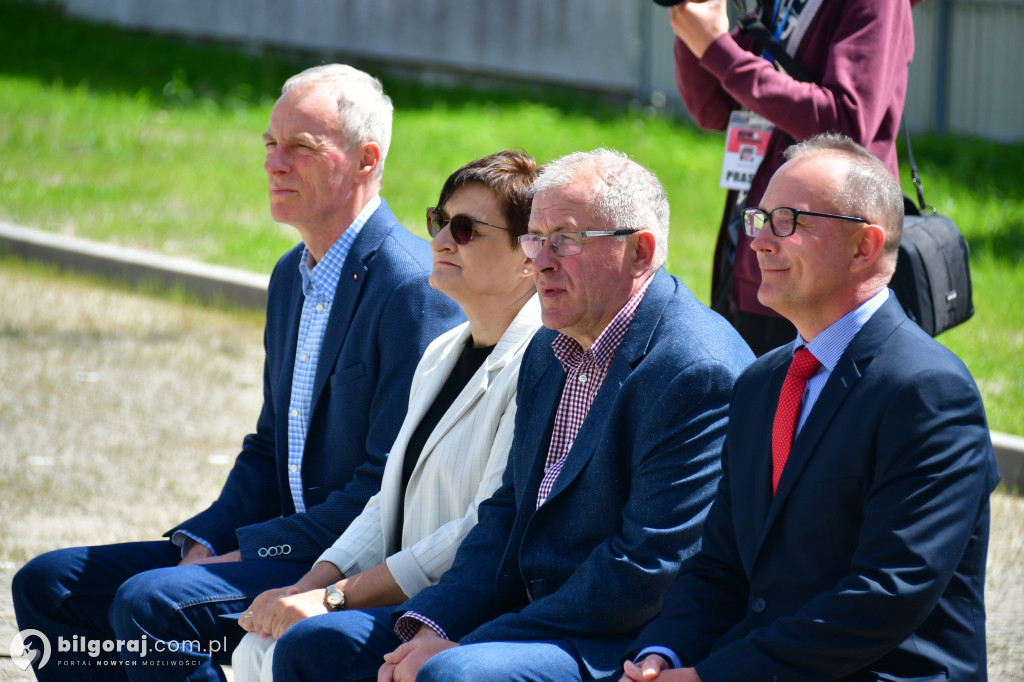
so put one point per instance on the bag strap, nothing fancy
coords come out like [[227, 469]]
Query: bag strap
[[914, 176]]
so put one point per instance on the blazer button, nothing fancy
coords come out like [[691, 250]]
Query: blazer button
[[758, 606]]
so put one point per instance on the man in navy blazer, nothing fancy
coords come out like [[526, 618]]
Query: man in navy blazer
[[868, 560], [614, 460], [349, 313]]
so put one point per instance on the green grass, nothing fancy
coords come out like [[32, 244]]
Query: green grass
[[155, 143], [979, 184]]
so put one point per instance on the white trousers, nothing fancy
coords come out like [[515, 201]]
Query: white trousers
[[253, 660]]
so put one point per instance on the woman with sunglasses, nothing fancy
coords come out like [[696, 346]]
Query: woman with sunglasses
[[450, 453]]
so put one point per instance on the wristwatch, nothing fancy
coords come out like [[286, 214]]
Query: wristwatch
[[334, 598]]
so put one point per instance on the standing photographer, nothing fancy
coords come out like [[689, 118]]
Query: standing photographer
[[855, 54]]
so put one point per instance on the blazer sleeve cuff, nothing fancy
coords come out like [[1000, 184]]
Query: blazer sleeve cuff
[[662, 651]]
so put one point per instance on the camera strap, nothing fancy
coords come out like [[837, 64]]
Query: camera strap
[[757, 27]]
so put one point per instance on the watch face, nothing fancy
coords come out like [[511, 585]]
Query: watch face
[[335, 598]]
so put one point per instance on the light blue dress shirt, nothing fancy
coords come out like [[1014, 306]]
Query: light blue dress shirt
[[319, 283], [829, 346]]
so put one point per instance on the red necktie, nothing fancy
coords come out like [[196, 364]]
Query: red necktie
[[804, 366]]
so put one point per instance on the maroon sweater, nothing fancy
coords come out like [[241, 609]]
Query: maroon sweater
[[855, 51]]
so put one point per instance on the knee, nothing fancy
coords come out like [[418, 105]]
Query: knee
[[43, 582], [139, 603], [302, 647], [344, 646], [122, 608], [29, 576], [448, 666]]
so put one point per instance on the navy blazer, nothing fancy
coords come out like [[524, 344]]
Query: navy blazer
[[869, 562], [591, 565], [360, 396]]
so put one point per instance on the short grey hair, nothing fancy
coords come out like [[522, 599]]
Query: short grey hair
[[364, 110], [869, 189], [630, 196]]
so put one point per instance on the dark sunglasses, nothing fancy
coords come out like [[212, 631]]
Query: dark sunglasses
[[461, 225]]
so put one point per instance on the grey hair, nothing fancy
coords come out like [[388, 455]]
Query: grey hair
[[629, 197], [869, 189], [364, 110]]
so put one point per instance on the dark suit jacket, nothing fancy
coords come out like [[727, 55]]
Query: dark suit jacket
[[628, 505], [869, 563], [384, 315]]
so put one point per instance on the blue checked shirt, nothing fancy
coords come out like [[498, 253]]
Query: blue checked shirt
[[319, 282]]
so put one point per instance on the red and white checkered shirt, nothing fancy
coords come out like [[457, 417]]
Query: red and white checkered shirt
[[585, 372]]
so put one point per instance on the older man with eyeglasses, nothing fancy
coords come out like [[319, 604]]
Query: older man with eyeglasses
[[614, 459]]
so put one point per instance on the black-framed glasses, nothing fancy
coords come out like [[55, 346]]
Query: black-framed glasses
[[782, 220], [460, 225], [564, 243]]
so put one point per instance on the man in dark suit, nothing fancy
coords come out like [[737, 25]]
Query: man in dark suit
[[614, 460], [855, 551], [349, 313]]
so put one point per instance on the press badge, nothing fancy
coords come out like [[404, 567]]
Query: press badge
[[746, 141]]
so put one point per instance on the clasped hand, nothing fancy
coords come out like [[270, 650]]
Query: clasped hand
[[274, 611], [654, 667], [404, 663]]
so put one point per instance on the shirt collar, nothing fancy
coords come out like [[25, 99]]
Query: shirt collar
[[324, 274], [830, 344], [569, 351]]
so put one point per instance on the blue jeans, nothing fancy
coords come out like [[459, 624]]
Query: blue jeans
[[343, 647], [349, 647], [504, 662], [134, 593]]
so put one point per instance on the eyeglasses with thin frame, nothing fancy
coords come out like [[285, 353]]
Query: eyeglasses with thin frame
[[783, 219], [564, 243], [461, 225]]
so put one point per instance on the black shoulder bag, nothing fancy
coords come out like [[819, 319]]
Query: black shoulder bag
[[933, 274]]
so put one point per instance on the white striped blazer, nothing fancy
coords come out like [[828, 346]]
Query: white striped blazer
[[460, 466]]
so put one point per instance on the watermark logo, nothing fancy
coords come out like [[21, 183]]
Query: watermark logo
[[83, 651], [23, 655]]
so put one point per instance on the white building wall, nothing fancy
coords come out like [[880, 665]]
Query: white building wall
[[623, 47]]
